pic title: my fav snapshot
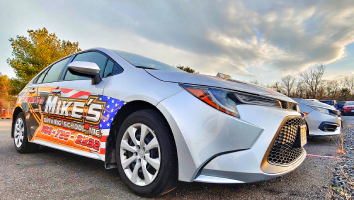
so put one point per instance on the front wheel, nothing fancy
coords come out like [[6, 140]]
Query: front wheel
[[146, 154], [22, 145]]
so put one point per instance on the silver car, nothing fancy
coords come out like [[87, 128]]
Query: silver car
[[322, 119], [158, 124]]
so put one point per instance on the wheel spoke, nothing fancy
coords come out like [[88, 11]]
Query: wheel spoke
[[135, 176], [144, 131], [152, 144], [124, 145], [128, 161], [147, 175], [132, 132], [155, 163]]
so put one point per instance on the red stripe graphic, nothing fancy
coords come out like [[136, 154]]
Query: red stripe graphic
[[104, 138], [79, 94], [102, 151]]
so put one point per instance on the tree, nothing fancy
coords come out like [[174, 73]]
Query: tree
[[32, 54], [349, 83], [277, 87], [4, 86], [187, 69], [345, 94], [313, 79], [255, 81], [288, 83], [300, 90]]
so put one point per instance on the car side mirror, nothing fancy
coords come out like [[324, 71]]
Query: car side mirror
[[88, 69]]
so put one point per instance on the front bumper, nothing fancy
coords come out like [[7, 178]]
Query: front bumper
[[218, 148], [316, 122]]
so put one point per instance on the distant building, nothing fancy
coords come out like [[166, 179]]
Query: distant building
[[221, 75]]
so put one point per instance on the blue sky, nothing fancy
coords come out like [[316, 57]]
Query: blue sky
[[248, 40]]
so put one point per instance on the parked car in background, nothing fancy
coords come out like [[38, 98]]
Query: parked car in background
[[315, 100], [158, 124], [322, 119], [330, 102], [348, 108], [340, 105]]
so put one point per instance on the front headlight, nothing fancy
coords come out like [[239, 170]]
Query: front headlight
[[319, 109], [226, 100]]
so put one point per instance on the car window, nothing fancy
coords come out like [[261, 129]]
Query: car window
[[109, 68], [112, 69], [54, 71], [41, 76], [94, 57], [141, 61]]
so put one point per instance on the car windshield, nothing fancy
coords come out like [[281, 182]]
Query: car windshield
[[349, 103], [143, 62]]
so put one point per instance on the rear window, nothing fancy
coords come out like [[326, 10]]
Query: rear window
[[141, 61]]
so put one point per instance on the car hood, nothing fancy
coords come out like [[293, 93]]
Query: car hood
[[348, 106], [197, 79], [313, 103]]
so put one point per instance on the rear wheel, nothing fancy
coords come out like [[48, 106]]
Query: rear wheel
[[22, 145], [146, 154]]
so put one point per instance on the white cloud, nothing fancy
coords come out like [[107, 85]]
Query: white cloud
[[233, 37]]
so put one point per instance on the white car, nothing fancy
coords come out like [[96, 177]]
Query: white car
[[322, 119], [158, 124]]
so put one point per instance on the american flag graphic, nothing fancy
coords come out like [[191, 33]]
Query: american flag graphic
[[112, 107], [109, 112]]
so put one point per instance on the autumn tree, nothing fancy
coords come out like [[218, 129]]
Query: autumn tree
[[187, 69], [312, 79], [288, 83], [32, 54]]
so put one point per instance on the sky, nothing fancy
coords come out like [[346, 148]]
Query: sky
[[250, 40]]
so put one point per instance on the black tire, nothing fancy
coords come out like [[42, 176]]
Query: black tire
[[167, 176], [26, 146]]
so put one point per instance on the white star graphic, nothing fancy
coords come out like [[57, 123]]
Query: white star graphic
[[108, 97], [108, 115], [100, 98], [104, 120], [116, 104], [100, 125], [107, 124], [112, 110], [112, 101], [108, 106]]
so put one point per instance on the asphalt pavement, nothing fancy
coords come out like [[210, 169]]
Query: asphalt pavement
[[54, 174]]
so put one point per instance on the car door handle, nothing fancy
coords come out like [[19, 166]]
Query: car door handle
[[31, 90], [56, 90]]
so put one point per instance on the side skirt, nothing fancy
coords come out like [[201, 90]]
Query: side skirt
[[92, 155]]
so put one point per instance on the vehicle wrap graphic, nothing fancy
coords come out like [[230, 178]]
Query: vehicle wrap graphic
[[72, 118]]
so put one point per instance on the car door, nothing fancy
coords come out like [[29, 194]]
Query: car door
[[43, 85], [74, 108]]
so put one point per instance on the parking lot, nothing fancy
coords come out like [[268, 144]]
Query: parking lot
[[51, 174]]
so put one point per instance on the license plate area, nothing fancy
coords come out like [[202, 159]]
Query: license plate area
[[301, 138]]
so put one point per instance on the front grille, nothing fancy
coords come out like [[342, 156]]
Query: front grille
[[282, 151]]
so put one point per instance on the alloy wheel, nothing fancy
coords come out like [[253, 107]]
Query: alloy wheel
[[19, 132], [140, 154]]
